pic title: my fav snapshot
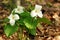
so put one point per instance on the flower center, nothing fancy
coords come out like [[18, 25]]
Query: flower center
[[18, 9], [37, 11], [13, 17]]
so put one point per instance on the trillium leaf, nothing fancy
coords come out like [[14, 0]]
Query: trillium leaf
[[32, 31], [25, 14], [20, 21], [45, 20], [6, 20], [9, 30], [29, 23]]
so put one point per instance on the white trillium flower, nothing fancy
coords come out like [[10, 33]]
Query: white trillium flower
[[37, 11], [13, 18], [19, 9]]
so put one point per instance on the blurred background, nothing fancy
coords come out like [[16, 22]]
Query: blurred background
[[46, 32]]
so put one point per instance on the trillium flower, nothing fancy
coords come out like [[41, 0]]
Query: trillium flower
[[13, 18], [37, 11], [19, 9]]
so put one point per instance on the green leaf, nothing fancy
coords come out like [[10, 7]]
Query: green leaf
[[25, 14], [9, 30], [6, 20], [32, 31], [20, 21], [45, 20], [30, 23], [13, 12]]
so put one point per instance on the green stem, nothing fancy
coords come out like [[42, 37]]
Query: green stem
[[18, 2], [20, 34]]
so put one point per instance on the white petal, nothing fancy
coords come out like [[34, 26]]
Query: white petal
[[33, 13], [10, 16], [40, 14], [12, 22], [19, 9], [38, 7], [16, 17]]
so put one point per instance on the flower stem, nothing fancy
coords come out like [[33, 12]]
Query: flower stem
[[20, 34], [18, 2]]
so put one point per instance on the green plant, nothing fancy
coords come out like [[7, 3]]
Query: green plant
[[20, 17]]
